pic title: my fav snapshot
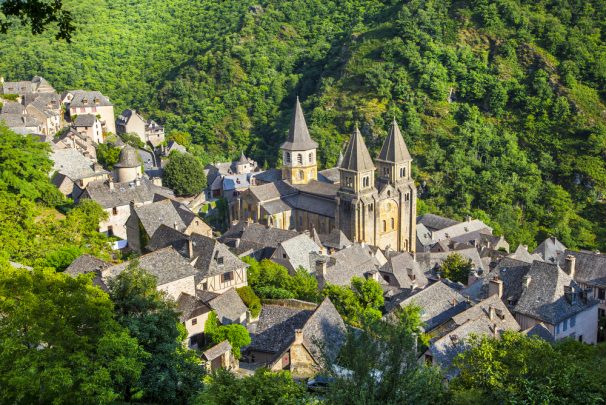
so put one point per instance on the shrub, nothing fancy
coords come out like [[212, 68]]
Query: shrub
[[251, 300]]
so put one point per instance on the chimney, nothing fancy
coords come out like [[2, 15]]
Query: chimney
[[298, 337], [237, 243], [248, 317], [137, 182], [111, 186], [491, 313], [495, 287], [321, 267], [190, 248], [571, 265]]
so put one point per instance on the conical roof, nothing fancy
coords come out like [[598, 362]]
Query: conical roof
[[243, 160], [394, 148], [356, 156], [128, 157], [298, 134]]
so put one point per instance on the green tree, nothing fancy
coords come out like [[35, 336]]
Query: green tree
[[456, 268], [60, 341], [184, 174], [38, 14], [250, 299], [262, 388], [181, 137], [108, 155], [304, 285], [517, 368], [172, 373]]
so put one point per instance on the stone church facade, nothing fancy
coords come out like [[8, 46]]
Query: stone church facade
[[369, 201]]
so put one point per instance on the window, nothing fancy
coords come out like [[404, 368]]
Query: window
[[220, 261], [601, 313], [115, 211], [225, 277], [370, 206], [393, 223], [601, 294], [300, 174], [402, 172], [287, 157], [311, 157], [283, 255], [110, 231], [204, 286], [366, 181], [384, 225], [300, 221], [299, 158], [557, 328], [573, 321], [194, 321], [565, 326], [385, 171], [581, 338]]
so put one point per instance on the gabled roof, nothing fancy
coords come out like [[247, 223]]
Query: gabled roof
[[12, 107], [336, 239], [439, 302], [255, 236], [550, 249], [405, 270], [539, 330], [298, 249], [166, 212], [82, 98], [394, 148], [354, 261], [272, 191], [511, 272], [86, 264], [275, 330], [167, 265], [166, 236], [590, 267], [544, 298], [85, 120], [324, 332], [356, 156], [298, 134], [522, 254], [72, 164], [213, 257], [435, 222], [124, 193], [229, 306], [217, 350], [331, 176], [190, 307]]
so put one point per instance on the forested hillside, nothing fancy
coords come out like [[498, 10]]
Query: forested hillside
[[502, 102]]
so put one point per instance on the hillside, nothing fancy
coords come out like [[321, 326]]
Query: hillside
[[502, 102]]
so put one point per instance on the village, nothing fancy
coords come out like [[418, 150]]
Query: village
[[355, 221]]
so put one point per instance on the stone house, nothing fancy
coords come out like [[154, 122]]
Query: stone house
[[131, 122], [228, 306], [73, 172], [402, 271], [79, 102], [46, 109], [173, 272], [297, 252], [89, 264], [89, 126], [193, 314], [72, 139], [357, 260], [37, 85], [296, 337], [145, 220], [219, 356], [255, 240]]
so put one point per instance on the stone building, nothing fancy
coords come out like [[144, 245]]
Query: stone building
[[377, 209]]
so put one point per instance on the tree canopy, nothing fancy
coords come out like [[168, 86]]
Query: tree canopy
[[184, 174], [456, 268]]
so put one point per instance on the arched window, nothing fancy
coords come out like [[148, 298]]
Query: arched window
[[299, 158], [311, 157], [384, 225], [287, 157], [393, 223], [402, 172], [365, 182]]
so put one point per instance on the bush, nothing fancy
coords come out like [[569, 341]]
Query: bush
[[251, 300], [269, 291]]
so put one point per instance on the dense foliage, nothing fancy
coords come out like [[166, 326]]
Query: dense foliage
[[60, 341], [236, 334], [501, 100], [184, 174], [519, 369], [456, 268], [250, 299], [172, 373], [360, 303]]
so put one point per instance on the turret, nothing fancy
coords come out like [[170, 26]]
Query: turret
[[299, 165], [128, 168], [394, 161]]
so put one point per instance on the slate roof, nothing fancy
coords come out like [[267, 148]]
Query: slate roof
[[298, 250], [539, 330], [275, 330], [128, 157], [19, 120], [167, 265], [217, 350], [276, 207], [85, 120], [439, 302], [318, 188], [324, 332], [522, 254], [590, 267], [459, 229], [243, 160], [229, 306], [12, 107], [431, 260], [331, 175], [405, 270], [394, 148], [544, 297], [272, 191], [550, 249], [208, 252], [190, 307], [73, 164], [174, 146], [124, 193], [298, 135], [353, 261], [166, 236], [435, 222], [336, 239], [166, 212], [256, 236], [82, 98], [236, 181], [511, 272], [268, 176], [312, 203], [356, 156], [89, 264]]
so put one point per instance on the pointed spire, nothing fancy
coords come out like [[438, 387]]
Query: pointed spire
[[298, 134], [340, 159], [243, 160], [394, 148], [356, 156]]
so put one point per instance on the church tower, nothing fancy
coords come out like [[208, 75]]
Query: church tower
[[357, 194], [299, 165], [397, 193]]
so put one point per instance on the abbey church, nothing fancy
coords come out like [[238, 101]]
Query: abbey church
[[369, 201]]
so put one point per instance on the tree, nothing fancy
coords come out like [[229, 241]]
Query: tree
[[182, 138], [410, 320], [184, 174], [250, 299], [272, 280], [59, 340], [304, 285], [172, 373], [361, 302], [235, 334], [382, 368], [38, 14], [521, 369], [108, 155], [456, 268], [262, 388]]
